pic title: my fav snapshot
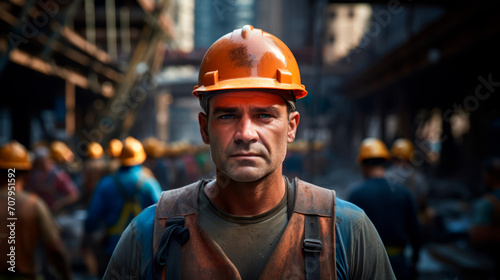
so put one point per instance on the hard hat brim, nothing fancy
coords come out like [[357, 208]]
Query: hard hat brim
[[17, 165], [136, 160], [251, 83]]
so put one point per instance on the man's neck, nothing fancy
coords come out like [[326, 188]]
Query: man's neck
[[247, 198], [374, 172]]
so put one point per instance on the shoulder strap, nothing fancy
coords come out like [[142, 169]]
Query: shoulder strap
[[168, 229], [312, 247], [315, 202], [132, 207], [169, 253]]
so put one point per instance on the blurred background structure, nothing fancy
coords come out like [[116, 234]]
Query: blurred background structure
[[88, 71]]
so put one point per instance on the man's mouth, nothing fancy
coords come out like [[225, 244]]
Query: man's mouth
[[245, 155]]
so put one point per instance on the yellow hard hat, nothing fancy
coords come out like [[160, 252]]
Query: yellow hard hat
[[402, 148], [60, 152], [94, 150], [114, 148], [132, 153], [372, 148], [249, 58], [14, 155], [154, 147]]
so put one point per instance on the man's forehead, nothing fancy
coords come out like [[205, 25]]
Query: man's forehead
[[257, 98]]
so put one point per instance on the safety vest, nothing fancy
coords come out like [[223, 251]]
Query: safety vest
[[305, 250]]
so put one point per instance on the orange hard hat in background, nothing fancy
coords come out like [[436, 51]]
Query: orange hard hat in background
[[402, 148], [61, 153], [132, 153], [249, 58], [371, 148], [114, 148], [14, 155], [94, 150], [154, 147]]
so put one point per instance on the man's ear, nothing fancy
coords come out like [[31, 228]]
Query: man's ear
[[203, 121], [293, 123]]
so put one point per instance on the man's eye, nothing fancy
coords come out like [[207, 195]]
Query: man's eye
[[265, 116], [226, 117]]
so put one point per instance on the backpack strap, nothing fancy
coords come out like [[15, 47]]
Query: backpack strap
[[132, 204], [312, 247], [315, 202], [169, 232], [169, 252]]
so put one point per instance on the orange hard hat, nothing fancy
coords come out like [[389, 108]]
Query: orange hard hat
[[114, 148], [154, 147], [14, 155], [402, 148], [60, 152], [371, 148], [94, 150], [249, 58], [132, 153]]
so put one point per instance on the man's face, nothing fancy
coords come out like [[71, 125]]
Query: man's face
[[248, 133]]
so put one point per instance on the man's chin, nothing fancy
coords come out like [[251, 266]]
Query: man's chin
[[246, 175]]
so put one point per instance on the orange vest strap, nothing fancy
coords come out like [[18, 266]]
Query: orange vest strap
[[176, 202]]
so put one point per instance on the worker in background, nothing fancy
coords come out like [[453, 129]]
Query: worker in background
[[155, 161], [94, 167], [179, 173], [403, 171], [50, 182], [113, 151], [390, 206], [117, 199], [31, 221], [485, 231], [250, 221], [67, 160]]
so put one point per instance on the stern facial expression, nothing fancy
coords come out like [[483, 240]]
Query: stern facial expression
[[248, 133]]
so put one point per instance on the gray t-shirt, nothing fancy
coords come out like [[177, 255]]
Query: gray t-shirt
[[247, 241], [360, 254]]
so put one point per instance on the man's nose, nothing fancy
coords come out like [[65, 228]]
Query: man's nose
[[246, 131]]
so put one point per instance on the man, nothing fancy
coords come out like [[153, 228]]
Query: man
[[94, 167], [403, 171], [51, 183], [485, 232], [67, 160], [250, 221], [156, 162], [113, 150], [117, 199], [30, 223], [389, 205]]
